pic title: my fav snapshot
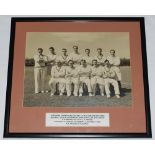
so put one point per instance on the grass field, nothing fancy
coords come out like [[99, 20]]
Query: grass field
[[31, 99]]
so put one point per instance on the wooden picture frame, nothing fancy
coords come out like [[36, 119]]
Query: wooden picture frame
[[25, 120]]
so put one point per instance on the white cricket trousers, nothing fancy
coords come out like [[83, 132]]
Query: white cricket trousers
[[39, 78], [61, 84], [97, 80], [69, 82], [118, 72], [114, 82], [85, 80]]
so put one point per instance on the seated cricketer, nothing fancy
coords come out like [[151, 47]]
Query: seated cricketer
[[84, 74], [57, 77], [72, 77], [97, 77]]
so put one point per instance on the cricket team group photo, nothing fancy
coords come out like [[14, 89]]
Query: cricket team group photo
[[85, 73], [74, 74]]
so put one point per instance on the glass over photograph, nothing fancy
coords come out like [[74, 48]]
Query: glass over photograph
[[77, 69]]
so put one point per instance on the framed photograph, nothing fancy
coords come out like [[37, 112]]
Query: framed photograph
[[77, 77]]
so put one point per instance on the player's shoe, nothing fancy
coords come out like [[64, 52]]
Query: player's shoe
[[80, 94], [42, 91], [68, 94], [118, 96], [61, 94], [47, 91], [93, 94], [102, 94], [90, 94], [75, 94], [36, 92], [51, 94], [108, 96]]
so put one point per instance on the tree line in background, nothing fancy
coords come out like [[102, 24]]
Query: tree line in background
[[30, 62]]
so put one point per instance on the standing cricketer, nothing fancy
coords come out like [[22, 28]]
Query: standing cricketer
[[40, 71], [64, 58], [51, 58], [97, 77], [100, 57], [84, 73], [57, 77], [87, 56], [110, 78], [115, 64], [75, 56], [72, 77]]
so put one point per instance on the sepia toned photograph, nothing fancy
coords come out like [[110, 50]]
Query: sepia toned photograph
[[77, 69]]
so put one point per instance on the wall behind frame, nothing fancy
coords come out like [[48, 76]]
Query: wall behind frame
[[5, 22]]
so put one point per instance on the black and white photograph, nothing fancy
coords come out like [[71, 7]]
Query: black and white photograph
[[77, 69]]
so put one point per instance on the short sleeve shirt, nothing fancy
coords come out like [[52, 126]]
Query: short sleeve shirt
[[97, 71], [40, 60], [114, 60], [84, 71], [75, 57], [56, 71], [100, 59]]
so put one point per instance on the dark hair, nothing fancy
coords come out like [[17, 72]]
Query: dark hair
[[94, 60], [87, 49], [83, 60], [52, 48], [112, 50], [75, 46], [70, 61], [40, 49], [59, 62], [106, 61], [99, 49], [64, 49]]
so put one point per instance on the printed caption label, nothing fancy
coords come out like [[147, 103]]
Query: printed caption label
[[77, 120]]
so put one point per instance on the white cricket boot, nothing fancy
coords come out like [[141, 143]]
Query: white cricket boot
[[108, 96], [76, 94], [90, 94], [51, 94], [80, 94], [61, 94], [68, 94], [118, 96], [102, 94]]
